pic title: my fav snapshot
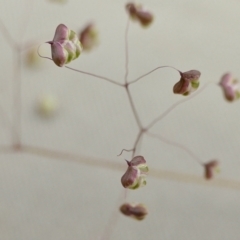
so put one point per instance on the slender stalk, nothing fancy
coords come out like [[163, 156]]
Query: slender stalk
[[133, 150], [7, 149], [164, 114], [195, 180], [138, 145], [66, 156], [96, 76], [27, 14], [5, 120], [134, 109], [9, 39], [144, 75], [84, 72], [175, 144], [136, 142], [159, 174], [125, 150], [17, 104], [126, 51]]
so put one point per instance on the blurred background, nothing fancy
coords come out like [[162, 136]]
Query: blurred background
[[65, 183]]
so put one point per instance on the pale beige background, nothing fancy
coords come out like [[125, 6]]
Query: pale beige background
[[52, 199]]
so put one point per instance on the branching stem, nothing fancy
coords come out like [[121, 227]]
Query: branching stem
[[96, 76], [134, 108], [164, 114], [175, 144], [144, 75], [136, 142]]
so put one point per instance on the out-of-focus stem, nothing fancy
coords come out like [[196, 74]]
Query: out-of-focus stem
[[126, 51], [17, 102]]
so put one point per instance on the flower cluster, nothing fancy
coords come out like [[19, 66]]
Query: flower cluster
[[136, 211], [138, 13], [65, 46], [230, 86], [189, 82], [135, 176]]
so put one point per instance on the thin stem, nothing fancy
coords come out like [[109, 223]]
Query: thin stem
[[27, 14], [175, 144], [97, 76], [134, 146], [144, 75], [126, 51], [83, 72], [7, 149], [164, 114], [108, 164], [17, 105], [134, 109], [9, 39], [41, 56], [112, 222], [136, 142], [5, 119], [125, 150], [139, 144], [66, 156]]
